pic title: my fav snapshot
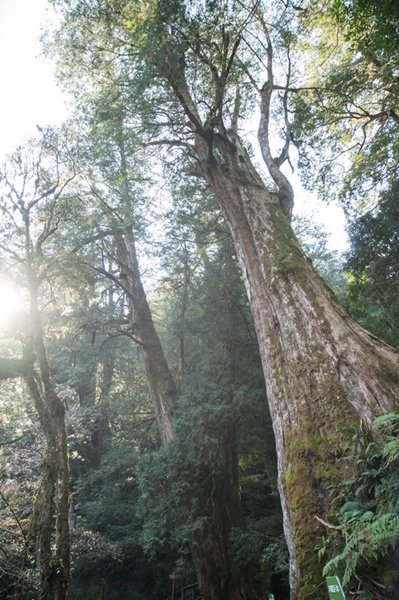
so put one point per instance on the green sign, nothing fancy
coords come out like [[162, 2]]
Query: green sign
[[271, 596], [335, 591]]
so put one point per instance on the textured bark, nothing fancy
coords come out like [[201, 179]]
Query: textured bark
[[161, 384], [323, 372], [49, 525]]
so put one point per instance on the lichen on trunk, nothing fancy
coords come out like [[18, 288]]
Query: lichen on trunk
[[323, 372]]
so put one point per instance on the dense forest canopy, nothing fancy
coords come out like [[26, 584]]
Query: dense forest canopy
[[198, 397]]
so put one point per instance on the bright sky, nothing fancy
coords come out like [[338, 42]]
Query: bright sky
[[330, 216], [29, 95]]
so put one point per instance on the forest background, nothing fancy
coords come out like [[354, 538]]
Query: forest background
[[136, 444]]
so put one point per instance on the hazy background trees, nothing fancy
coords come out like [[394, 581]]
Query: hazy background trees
[[137, 510]]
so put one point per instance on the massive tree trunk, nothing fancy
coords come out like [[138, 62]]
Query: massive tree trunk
[[323, 372]]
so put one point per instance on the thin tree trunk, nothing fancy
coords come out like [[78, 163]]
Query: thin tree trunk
[[49, 525], [219, 497], [182, 316], [161, 384]]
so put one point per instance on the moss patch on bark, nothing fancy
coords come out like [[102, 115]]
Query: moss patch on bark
[[287, 255], [316, 464]]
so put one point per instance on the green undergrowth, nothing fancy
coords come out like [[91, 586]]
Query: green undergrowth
[[316, 466], [362, 547]]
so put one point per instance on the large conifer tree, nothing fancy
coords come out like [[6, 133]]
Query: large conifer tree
[[188, 72]]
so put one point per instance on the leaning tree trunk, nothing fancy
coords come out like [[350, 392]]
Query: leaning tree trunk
[[161, 384], [323, 372], [219, 498]]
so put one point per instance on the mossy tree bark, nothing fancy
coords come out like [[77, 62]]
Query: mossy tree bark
[[323, 372], [49, 534]]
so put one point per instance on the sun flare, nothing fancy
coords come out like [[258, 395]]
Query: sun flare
[[10, 303]]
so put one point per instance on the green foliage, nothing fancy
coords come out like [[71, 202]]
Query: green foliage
[[120, 78], [172, 480], [347, 115], [372, 263], [184, 484], [275, 557], [329, 264], [20, 447], [107, 548], [372, 27], [363, 547]]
